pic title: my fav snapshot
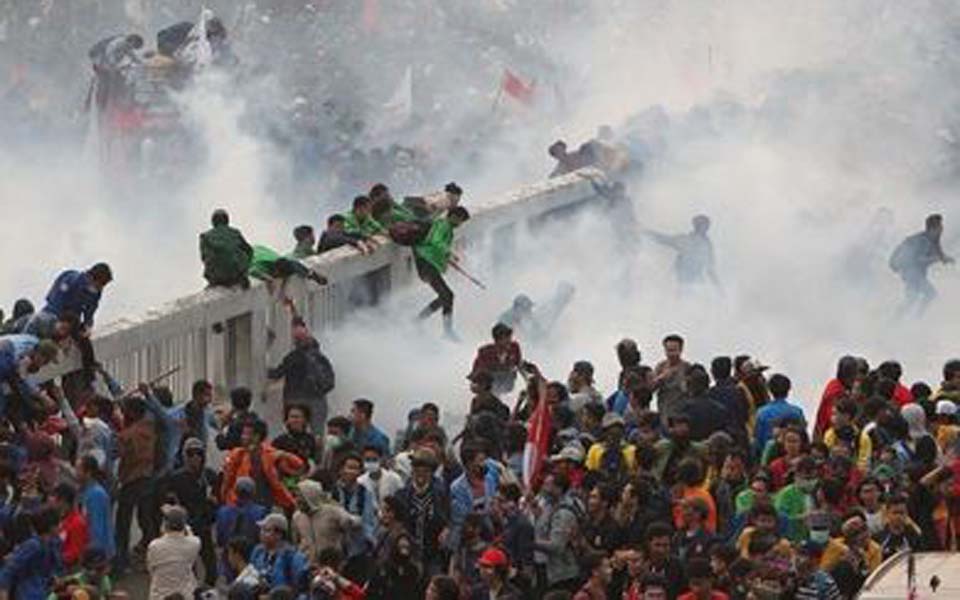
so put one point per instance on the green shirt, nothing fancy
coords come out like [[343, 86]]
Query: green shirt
[[261, 267], [794, 503], [303, 251], [435, 248], [367, 226]]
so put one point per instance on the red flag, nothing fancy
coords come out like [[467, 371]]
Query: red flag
[[371, 16], [516, 87], [538, 440]]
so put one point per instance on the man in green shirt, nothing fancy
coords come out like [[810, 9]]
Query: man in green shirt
[[360, 220], [432, 255], [225, 254], [268, 265], [306, 240]]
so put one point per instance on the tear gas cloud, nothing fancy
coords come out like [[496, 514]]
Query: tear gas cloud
[[815, 135]]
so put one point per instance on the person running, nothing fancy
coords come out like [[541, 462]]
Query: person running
[[912, 259]]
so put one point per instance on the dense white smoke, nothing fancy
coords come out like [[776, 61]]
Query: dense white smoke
[[791, 124]]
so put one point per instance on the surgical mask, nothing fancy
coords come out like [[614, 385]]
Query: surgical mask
[[371, 466], [820, 536]]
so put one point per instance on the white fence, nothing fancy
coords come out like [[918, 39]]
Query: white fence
[[229, 336]]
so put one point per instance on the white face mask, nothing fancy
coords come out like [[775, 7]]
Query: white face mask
[[371, 466]]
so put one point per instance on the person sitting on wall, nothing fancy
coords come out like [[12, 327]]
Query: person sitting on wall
[[225, 253]]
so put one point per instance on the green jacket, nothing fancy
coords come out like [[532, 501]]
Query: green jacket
[[366, 227], [261, 267], [435, 248], [225, 255], [794, 503]]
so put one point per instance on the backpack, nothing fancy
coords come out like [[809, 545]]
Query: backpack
[[577, 542], [408, 233], [613, 465], [319, 372], [245, 527]]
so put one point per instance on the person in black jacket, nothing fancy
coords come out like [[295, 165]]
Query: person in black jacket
[[308, 375], [240, 400], [297, 438], [706, 415], [194, 486], [428, 511]]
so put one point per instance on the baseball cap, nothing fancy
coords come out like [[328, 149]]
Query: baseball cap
[[245, 485], [571, 453], [612, 419], [193, 444], [753, 366], [493, 557], [946, 407], [273, 521], [175, 517]]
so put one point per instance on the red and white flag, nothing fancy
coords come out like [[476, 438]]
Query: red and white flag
[[517, 88], [538, 439]]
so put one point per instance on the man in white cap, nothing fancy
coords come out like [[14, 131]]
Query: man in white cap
[[945, 424], [280, 563], [170, 557]]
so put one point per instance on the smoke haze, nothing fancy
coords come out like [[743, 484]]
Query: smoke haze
[[816, 135]]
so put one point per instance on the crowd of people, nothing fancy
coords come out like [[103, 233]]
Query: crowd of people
[[686, 481]]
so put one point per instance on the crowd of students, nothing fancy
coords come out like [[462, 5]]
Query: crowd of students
[[687, 481]]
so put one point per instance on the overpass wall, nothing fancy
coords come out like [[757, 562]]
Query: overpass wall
[[230, 336]]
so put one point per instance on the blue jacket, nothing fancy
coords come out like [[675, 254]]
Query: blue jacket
[[768, 416], [12, 350], [227, 516], [363, 504], [74, 291], [95, 503], [371, 437], [287, 567], [461, 500], [29, 571]]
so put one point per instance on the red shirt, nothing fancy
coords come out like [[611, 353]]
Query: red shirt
[[74, 536], [714, 595], [902, 395], [833, 392], [493, 359]]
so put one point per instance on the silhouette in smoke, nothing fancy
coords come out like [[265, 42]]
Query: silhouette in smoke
[[695, 258], [911, 260]]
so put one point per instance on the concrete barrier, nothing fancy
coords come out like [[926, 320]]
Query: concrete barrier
[[230, 336]]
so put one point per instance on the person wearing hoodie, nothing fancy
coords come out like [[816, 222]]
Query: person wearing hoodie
[[320, 523]]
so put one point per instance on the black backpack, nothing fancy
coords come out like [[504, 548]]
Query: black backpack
[[408, 233]]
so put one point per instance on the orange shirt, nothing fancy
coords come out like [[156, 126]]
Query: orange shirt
[[694, 492]]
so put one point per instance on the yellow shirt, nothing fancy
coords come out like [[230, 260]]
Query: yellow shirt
[[836, 550], [595, 457], [864, 447]]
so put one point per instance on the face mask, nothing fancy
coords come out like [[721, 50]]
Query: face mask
[[333, 442], [820, 536], [371, 466]]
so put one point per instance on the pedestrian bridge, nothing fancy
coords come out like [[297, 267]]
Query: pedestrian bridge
[[230, 336]]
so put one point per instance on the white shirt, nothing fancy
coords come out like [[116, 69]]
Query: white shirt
[[170, 560], [388, 484]]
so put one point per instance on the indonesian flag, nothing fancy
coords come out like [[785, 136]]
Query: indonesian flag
[[517, 88], [538, 439]]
